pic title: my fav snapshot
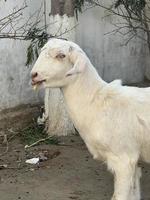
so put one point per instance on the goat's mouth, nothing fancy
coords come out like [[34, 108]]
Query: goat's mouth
[[36, 82]]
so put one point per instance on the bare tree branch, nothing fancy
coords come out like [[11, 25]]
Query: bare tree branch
[[135, 20]]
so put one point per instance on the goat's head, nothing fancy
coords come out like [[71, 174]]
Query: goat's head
[[58, 64]]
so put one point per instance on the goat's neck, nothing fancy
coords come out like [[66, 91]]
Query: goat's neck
[[80, 94]]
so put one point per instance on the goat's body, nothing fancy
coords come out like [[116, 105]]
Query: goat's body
[[113, 120]]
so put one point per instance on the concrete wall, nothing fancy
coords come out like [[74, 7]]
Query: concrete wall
[[112, 59], [14, 75]]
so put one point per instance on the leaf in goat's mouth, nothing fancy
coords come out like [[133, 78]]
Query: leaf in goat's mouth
[[35, 87], [37, 84]]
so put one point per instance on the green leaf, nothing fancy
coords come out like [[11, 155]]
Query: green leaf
[[36, 52], [38, 40], [78, 7], [30, 55]]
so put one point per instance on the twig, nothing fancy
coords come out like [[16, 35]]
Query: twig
[[6, 142], [14, 134], [45, 20], [66, 31], [37, 142]]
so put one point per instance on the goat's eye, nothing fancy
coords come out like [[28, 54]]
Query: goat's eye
[[60, 56]]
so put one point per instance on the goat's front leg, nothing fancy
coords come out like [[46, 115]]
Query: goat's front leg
[[136, 190], [124, 179]]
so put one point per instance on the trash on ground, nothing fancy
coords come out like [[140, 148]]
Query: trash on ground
[[33, 161]]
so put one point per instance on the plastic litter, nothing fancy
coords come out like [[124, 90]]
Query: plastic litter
[[33, 161]]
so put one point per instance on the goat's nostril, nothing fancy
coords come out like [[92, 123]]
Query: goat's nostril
[[33, 75]]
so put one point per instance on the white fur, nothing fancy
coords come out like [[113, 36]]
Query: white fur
[[113, 120]]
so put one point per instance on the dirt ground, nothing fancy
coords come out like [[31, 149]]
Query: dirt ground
[[69, 173]]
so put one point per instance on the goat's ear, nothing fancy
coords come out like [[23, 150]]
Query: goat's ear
[[79, 61]]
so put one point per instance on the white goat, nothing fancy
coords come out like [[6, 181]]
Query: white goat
[[113, 120]]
